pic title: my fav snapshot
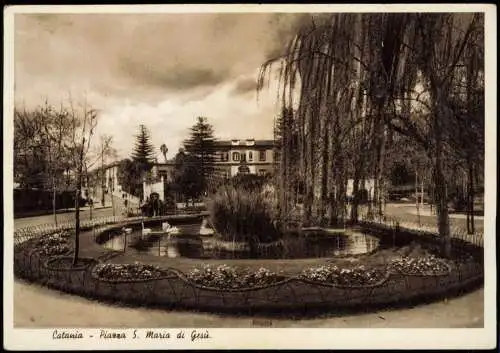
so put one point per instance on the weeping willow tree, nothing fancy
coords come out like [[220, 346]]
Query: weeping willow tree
[[466, 103], [352, 80], [446, 42], [318, 128], [344, 78]]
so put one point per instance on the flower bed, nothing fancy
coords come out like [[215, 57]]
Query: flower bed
[[128, 272], [356, 276], [337, 284], [226, 277], [427, 266], [53, 244]]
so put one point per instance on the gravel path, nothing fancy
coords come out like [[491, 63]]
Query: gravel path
[[35, 307]]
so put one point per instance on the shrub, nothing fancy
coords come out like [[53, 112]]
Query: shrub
[[249, 182], [243, 216]]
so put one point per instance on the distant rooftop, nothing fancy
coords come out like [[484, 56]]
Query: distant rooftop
[[168, 162], [244, 142]]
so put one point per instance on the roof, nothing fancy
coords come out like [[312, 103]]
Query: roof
[[264, 142], [261, 143], [169, 163], [113, 164]]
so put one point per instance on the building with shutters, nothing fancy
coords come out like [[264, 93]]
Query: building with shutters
[[248, 156]]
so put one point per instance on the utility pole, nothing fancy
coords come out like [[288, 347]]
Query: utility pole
[[422, 192]]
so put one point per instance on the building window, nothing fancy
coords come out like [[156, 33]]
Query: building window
[[250, 156], [243, 157], [262, 156], [236, 156], [262, 172]]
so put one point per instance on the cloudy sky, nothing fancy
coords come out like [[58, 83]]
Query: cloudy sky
[[161, 70]]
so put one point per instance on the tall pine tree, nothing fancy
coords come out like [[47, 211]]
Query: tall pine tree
[[143, 153], [200, 147]]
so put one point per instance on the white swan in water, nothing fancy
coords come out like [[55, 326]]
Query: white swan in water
[[145, 231], [174, 230], [205, 229], [166, 227]]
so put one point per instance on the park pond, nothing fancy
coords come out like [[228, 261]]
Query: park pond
[[188, 243]]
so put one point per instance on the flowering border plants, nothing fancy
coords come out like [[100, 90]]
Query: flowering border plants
[[233, 278]]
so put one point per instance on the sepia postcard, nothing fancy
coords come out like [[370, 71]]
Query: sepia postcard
[[249, 177]]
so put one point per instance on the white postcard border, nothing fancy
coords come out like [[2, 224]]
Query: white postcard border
[[476, 338]]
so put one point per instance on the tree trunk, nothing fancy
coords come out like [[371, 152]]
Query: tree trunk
[[90, 195], [324, 177], [308, 177], [416, 196], [380, 171], [77, 216], [331, 188], [91, 206], [422, 191], [471, 198], [441, 188], [342, 194], [355, 199], [442, 212], [113, 202], [54, 210]]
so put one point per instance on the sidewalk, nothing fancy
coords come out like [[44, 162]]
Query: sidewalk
[[45, 219], [34, 307], [426, 211], [96, 206]]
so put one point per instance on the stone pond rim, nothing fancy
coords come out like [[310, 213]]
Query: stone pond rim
[[294, 294]]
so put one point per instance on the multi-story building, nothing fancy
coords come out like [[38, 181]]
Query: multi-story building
[[110, 181], [248, 156]]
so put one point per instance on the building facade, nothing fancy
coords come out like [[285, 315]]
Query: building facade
[[111, 183], [247, 156], [163, 170], [161, 173], [232, 157]]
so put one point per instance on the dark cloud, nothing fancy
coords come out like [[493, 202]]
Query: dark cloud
[[146, 54], [245, 85], [175, 78], [285, 26], [204, 50]]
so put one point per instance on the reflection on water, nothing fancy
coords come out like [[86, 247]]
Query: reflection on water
[[191, 245], [358, 243]]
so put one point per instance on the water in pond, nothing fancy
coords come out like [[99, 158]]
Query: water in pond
[[189, 243]]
